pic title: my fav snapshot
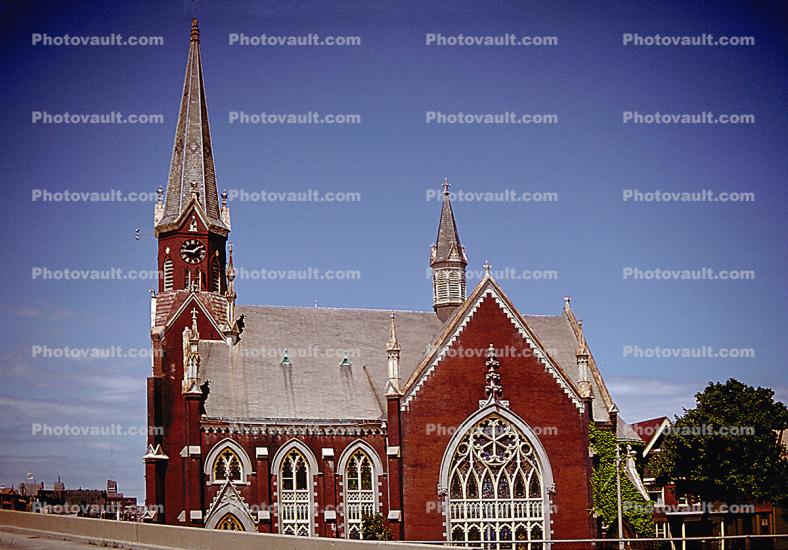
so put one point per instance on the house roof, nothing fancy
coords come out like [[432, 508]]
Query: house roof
[[647, 429], [249, 381]]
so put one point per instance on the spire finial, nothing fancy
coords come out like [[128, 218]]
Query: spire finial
[[446, 186], [567, 302], [224, 198], [195, 35], [393, 343], [487, 267]]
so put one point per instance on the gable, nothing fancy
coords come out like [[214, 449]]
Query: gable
[[445, 343]]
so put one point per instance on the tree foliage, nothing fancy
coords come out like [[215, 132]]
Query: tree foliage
[[373, 527], [637, 511], [727, 448]]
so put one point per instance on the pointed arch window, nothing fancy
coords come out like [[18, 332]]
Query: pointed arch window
[[167, 274], [295, 499], [230, 523], [227, 466], [360, 491], [496, 490]]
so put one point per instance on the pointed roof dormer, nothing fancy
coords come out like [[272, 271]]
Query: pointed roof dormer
[[192, 177]]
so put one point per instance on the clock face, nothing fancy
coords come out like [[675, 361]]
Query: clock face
[[192, 251]]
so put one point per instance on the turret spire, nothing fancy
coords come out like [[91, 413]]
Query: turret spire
[[191, 169], [393, 349], [448, 262]]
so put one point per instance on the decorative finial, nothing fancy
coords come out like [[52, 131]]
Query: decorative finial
[[487, 267], [159, 194], [345, 361], [567, 302], [224, 198], [286, 360], [446, 186], [393, 343], [493, 377], [194, 319], [195, 192], [195, 36]]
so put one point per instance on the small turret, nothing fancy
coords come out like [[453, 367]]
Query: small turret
[[448, 262]]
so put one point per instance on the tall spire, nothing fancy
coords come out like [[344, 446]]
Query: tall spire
[[447, 245], [448, 262], [191, 169]]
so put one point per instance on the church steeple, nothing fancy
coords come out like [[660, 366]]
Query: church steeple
[[190, 224], [448, 262], [192, 172]]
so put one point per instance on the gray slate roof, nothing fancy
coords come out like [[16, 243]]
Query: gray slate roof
[[249, 382], [557, 335], [192, 154]]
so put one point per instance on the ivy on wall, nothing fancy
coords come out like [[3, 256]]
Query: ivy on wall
[[637, 511]]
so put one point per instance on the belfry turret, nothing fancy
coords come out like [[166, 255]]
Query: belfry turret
[[448, 262]]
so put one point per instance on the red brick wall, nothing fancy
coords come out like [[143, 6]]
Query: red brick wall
[[452, 393]]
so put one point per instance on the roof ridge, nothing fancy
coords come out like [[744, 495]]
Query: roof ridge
[[383, 310]]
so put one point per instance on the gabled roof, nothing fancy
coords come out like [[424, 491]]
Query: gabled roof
[[651, 430], [487, 287], [192, 155]]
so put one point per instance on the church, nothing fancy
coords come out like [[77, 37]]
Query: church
[[465, 422]]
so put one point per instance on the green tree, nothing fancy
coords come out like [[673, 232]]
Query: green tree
[[373, 527], [728, 447], [636, 510]]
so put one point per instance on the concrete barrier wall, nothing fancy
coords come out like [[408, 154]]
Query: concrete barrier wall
[[146, 534]]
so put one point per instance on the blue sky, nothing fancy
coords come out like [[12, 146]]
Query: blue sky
[[392, 159]]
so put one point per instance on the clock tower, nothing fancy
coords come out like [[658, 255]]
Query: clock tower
[[190, 224]]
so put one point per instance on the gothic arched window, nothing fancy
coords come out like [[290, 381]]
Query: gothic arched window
[[230, 523], [360, 487], [227, 466], [295, 502], [495, 489]]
